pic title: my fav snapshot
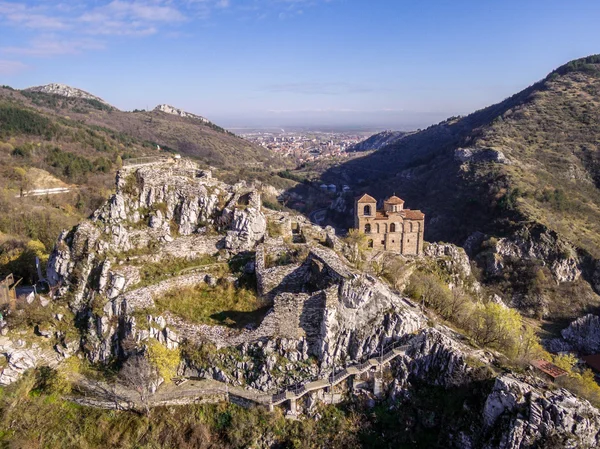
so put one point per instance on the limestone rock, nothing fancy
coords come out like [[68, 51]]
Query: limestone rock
[[548, 412], [175, 111], [477, 155], [584, 334], [66, 91], [248, 226], [21, 357]]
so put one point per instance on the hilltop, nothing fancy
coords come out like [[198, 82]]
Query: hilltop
[[184, 296], [171, 128], [66, 91]]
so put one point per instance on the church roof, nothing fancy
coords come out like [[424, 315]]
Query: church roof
[[366, 199], [394, 200], [413, 214]]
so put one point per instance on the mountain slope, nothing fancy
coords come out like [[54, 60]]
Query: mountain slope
[[549, 133], [378, 141], [78, 142], [173, 129], [527, 169]]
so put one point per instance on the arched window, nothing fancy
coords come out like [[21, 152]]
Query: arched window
[[385, 228], [370, 243], [377, 228], [367, 210], [367, 228], [410, 227], [393, 227]]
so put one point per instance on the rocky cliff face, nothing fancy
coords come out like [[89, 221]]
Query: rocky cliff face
[[179, 112], [152, 206], [157, 211], [66, 91], [582, 335], [527, 415]]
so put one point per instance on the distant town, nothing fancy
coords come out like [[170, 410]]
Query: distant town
[[306, 146]]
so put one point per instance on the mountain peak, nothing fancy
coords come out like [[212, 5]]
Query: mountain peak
[[66, 91], [168, 109]]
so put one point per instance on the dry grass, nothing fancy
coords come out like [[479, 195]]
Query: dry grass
[[222, 304]]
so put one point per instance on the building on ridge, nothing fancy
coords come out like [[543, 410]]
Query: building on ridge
[[392, 228]]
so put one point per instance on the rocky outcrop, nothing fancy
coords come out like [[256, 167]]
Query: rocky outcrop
[[526, 416], [454, 261], [248, 225], [538, 243], [478, 155], [153, 206], [181, 113], [20, 356], [67, 91], [437, 358], [583, 334]]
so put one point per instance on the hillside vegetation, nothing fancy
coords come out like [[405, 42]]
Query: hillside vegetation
[[546, 187], [549, 131], [48, 141]]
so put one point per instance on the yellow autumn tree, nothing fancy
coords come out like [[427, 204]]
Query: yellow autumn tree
[[496, 326], [165, 360]]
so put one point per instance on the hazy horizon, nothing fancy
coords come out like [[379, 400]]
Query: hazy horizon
[[261, 63]]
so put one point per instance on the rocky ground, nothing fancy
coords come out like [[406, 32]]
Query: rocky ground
[[318, 311]]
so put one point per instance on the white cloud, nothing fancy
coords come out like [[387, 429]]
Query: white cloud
[[123, 18], [50, 45], [72, 24], [11, 67], [30, 17]]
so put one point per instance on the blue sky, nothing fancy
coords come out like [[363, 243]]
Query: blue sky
[[388, 63]]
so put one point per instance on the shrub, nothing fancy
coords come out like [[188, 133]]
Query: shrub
[[70, 165], [428, 289], [165, 360], [51, 381], [579, 381], [16, 120]]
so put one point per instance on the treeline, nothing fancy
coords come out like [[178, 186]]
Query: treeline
[[589, 64]]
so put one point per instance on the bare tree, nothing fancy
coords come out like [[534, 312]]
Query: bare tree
[[140, 375]]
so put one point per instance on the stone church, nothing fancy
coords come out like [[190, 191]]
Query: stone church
[[392, 228]]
